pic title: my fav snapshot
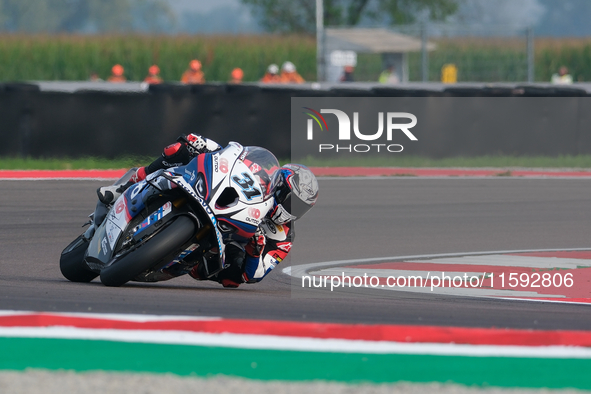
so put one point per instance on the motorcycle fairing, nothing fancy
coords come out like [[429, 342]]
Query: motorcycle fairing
[[152, 219], [123, 211], [243, 215], [180, 181], [214, 176]]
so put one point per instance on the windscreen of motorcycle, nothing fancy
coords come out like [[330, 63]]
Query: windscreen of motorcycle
[[236, 188], [263, 164]]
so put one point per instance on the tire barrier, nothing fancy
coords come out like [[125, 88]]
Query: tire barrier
[[41, 123], [551, 91], [405, 92], [497, 91]]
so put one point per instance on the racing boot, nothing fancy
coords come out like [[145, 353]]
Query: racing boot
[[198, 274], [109, 194], [230, 284]]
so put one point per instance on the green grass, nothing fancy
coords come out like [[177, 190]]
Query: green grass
[[74, 57], [96, 163], [86, 163], [205, 361], [579, 161]]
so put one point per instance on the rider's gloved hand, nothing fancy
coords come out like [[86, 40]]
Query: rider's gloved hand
[[281, 216], [195, 143]]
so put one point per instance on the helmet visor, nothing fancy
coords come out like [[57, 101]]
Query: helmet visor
[[295, 206]]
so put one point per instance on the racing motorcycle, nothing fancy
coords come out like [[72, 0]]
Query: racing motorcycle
[[162, 227]]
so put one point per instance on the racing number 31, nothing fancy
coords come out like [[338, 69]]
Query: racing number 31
[[246, 184]]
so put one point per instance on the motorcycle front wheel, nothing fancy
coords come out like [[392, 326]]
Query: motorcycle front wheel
[[165, 244], [72, 262]]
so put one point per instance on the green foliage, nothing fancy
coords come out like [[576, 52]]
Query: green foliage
[[409, 161], [476, 63], [300, 15], [492, 60], [86, 163], [406, 11], [75, 57], [574, 54], [284, 15], [406, 161]]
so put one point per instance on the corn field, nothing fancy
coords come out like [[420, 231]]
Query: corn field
[[67, 57], [26, 58]]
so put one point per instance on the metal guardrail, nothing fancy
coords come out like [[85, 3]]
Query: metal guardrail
[[324, 87]]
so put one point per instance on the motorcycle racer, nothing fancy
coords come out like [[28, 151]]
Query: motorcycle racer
[[293, 187], [295, 191]]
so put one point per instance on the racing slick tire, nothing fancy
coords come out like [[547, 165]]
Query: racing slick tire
[[72, 264], [166, 244]]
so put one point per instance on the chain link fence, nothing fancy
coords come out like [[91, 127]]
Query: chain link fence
[[480, 54]]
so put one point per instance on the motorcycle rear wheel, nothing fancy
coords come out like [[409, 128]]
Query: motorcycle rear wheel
[[72, 264], [166, 244]]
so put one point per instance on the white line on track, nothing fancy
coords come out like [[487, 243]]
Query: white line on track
[[470, 292], [114, 316], [303, 269], [385, 273], [501, 260], [480, 258], [282, 343]]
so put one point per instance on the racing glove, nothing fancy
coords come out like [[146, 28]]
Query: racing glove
[[196, 144]]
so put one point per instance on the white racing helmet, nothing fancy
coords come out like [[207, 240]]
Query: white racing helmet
[[273, 69], [295, 189], [288, 67]]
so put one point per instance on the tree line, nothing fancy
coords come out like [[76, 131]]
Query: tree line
[[85, 16], [286, 16]]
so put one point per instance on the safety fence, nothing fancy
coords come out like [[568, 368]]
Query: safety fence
[[38, 121]]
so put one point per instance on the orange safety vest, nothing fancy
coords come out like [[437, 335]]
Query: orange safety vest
[[116, 79], [193, 77], [293, 77], [271, 78], [153, 79]]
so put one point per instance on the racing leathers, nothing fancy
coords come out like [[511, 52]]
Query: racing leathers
[[250, 264], [260, 260], [246, 263]]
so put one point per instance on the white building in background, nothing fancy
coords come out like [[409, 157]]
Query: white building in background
[[342, 45]]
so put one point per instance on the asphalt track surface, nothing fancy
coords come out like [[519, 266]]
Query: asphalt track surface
[[354, 218]]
